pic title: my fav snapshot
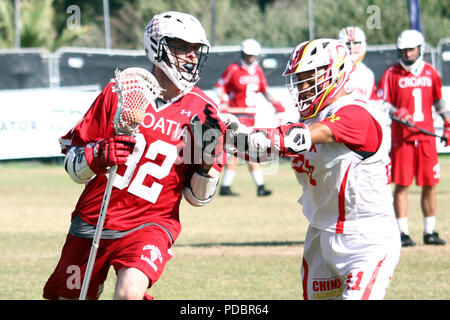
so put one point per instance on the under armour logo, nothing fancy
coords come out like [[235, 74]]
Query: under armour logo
[[186, 112], [333, 118]]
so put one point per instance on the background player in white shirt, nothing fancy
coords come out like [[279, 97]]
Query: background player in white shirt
[[362, 79], [410, 88], [340, 158], [142, 221]]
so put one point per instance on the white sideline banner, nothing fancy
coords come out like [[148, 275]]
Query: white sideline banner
[[32, 120]]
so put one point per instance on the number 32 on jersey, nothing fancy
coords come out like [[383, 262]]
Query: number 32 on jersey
[[158, 171]]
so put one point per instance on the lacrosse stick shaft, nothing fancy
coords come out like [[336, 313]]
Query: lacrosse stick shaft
[[98, 234], [421, 130]]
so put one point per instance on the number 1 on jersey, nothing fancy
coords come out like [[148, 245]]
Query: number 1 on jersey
[[418, 112]]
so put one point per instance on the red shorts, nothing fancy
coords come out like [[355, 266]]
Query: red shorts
[[147, 249], [417, 159]]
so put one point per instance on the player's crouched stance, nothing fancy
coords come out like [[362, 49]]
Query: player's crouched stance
[[341, 161]]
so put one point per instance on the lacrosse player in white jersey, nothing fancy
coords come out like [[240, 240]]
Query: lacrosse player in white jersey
[[340, 159], [361, 79]]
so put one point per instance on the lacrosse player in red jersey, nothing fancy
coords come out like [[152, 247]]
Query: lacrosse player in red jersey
[[237, 89], [340, 159], [409, 89], [156, 168]]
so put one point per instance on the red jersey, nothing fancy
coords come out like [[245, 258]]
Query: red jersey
[[147, 188], [242, 84], [415, 93]]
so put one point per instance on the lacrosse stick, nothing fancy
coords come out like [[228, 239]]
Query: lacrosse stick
[[136, 88], [443, 138]]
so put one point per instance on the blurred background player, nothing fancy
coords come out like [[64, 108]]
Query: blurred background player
[[362, 79], [339, 156], [142, 221], [237, 90], [410, 88]]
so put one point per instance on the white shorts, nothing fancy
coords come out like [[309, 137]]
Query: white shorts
[[342, 266]]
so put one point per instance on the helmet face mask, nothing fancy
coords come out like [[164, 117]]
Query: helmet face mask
[[173, 53], [307, 88], [355, 48], [355, 39], [407, 42], [250, 50], [409, 55], [316, 73], [169, 39]]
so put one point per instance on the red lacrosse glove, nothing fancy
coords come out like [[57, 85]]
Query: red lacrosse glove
[[403, 115], [278, 106], [447, 132], [109, 152]]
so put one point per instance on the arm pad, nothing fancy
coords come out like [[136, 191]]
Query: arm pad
[[388, 108], [201, 190], [76, 165], [441, 109]]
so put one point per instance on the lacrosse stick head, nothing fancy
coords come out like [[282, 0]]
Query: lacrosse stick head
[[136, 88]]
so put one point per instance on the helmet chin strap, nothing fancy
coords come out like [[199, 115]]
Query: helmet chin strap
[[415, 67], [249, 66], [170, 68], [323, 100]]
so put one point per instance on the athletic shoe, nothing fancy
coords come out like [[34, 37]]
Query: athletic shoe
[[406, 240], [262, 192], [433, 238], [226, 191]]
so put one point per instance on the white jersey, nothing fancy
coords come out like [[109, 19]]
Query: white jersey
[[342, 191], [362, 81]]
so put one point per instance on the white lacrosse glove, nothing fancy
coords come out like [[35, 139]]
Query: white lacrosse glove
[[236, 134], [258, 142], [297, 139], [233, 125]]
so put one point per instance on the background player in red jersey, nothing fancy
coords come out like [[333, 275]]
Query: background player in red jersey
[[155, 169], [237, 89], [410, 88]]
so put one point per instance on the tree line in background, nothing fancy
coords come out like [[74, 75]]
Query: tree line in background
[[274, 23]]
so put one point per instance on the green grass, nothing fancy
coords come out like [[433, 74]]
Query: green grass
[[234, 248]]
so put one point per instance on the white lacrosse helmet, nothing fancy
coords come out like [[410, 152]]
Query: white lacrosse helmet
[[176, 25], [251, 47], [329, 58], [409, 39], [353, 36]]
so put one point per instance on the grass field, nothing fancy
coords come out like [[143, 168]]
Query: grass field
[[234, 248]]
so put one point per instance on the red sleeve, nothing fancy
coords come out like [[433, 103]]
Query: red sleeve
[[263, 86], [224, 79], [96, 123], [383, 91], [373, 95], [356, 128], [437, 86]]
